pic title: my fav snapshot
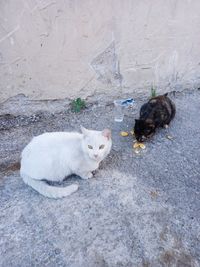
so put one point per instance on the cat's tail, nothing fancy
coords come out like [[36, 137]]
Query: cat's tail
[[47, 190]]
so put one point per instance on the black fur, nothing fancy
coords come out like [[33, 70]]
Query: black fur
[[158, 112]]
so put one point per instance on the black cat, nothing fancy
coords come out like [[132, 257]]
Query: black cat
[[158, 112]]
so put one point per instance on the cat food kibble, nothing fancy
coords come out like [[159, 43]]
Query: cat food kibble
[[122, 133], [139, 145]]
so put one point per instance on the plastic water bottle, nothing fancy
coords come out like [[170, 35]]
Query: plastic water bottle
[[120, 105]]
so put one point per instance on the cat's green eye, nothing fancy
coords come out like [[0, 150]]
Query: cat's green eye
[[102, 147], [90, 147]]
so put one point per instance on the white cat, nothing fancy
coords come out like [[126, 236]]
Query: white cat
[[53, 156]]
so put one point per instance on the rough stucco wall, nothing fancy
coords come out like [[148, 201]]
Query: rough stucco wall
[[67, 48]]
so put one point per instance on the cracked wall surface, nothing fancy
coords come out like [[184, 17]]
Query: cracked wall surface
[[63, 48]]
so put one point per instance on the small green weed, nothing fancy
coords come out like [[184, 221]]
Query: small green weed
[[153, 92], [77, 105]]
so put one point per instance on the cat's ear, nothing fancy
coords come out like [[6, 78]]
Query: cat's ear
[[107, 133], [84, 130]]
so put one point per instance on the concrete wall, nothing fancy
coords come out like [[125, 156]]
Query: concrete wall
[[67, 48]]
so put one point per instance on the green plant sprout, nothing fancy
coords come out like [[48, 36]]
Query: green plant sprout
[[77, 105], [153, 92]]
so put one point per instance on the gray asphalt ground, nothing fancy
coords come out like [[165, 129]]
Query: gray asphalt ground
[[139, 209]]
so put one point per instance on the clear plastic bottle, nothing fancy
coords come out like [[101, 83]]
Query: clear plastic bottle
[[120, 105]]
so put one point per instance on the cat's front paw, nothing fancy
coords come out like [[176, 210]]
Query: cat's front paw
[[87, 176]]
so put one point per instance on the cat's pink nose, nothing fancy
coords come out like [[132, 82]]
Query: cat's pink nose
[[95, 155]]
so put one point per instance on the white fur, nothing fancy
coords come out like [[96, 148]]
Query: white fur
[[53, 156]]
